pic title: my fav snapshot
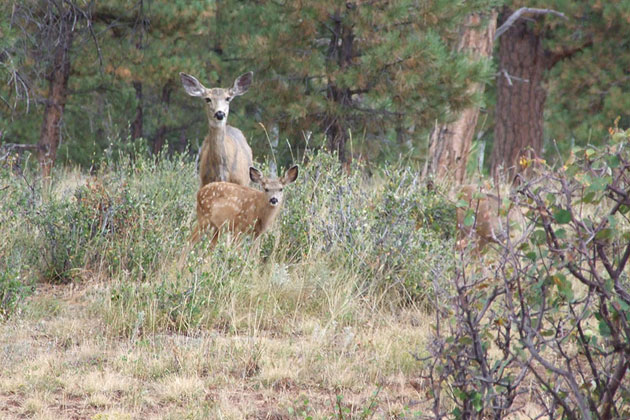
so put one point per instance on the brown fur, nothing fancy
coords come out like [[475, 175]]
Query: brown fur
[[237, 208], [225, 154], [487, 226]]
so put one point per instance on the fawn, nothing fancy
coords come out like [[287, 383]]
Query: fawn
[[240, 209]]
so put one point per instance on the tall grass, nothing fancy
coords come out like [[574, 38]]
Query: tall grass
[[340, 242]]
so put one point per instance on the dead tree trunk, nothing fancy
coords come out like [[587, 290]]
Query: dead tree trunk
[[58, 75], [450, 143]]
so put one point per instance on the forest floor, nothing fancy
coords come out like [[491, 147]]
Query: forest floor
[[57, 361]]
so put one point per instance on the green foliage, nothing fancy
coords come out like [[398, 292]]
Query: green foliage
[[396, 233], [332, 223], [375, 70], [15, 252], [130, 220], [586, 93], [112, 223], [401, 74], [555, 294]]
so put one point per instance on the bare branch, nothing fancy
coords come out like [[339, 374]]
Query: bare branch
[[522, 12]]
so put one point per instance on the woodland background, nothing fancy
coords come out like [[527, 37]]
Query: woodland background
[[378, 79], [366, 299]]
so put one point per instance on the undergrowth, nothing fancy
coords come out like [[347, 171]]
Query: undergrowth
[[340, 239]]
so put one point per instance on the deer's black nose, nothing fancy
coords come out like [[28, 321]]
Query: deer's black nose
[[273, 200], [219, 115]]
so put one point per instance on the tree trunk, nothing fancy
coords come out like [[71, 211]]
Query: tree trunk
[[218, 28], [450, 143], [136, 125], [139, 30], [340, 50], [160, 135], [50, 135], [520, 97]]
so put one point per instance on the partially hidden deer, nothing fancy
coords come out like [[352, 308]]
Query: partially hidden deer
[[487, 225], [225, 154], [240, 209]]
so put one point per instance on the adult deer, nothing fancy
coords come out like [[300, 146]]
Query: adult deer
[[225, 154], [239, 208]]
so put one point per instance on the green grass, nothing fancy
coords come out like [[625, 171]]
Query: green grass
[[339, 238], [97, 278]]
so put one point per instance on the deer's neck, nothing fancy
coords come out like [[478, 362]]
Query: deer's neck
[[216, 136], [214, 155]]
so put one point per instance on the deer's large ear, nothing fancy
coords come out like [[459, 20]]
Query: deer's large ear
[[290, 175], [255, 175], [192, 86], [242, 83]]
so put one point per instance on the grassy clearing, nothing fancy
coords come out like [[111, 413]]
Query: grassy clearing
[[108, 314], [59, 363]]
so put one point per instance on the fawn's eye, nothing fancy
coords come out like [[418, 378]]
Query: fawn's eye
[[266, 189], [280, 189], [208, 100], [228, 99]]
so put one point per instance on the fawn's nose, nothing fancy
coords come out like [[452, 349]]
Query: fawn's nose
[[219, 115], [273, 201]]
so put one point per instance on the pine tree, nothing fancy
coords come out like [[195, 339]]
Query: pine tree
[[48, 30], [378, 70], [578, 56], [450, 143]]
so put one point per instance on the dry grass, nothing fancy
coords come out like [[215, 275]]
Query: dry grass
[[58, 362]]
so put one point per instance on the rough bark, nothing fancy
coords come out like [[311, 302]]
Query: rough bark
[[50, 135], [521, 97], [450, 143]]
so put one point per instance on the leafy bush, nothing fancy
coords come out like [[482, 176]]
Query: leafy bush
[[391, 228], [551, 306], [16, 244], [124, 220]]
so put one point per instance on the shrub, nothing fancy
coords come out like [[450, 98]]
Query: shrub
[[387, 235], [552, 307], [380, 237]]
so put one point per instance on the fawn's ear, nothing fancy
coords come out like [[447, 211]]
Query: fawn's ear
[[192, 86], [290, 175], [242, 83], [255, 175]]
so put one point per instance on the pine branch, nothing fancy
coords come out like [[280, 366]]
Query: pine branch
[[554, 57]]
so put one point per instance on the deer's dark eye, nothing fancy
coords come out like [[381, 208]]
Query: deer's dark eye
[[228, 99], [280, 189], [266, 189], [208, 100]]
